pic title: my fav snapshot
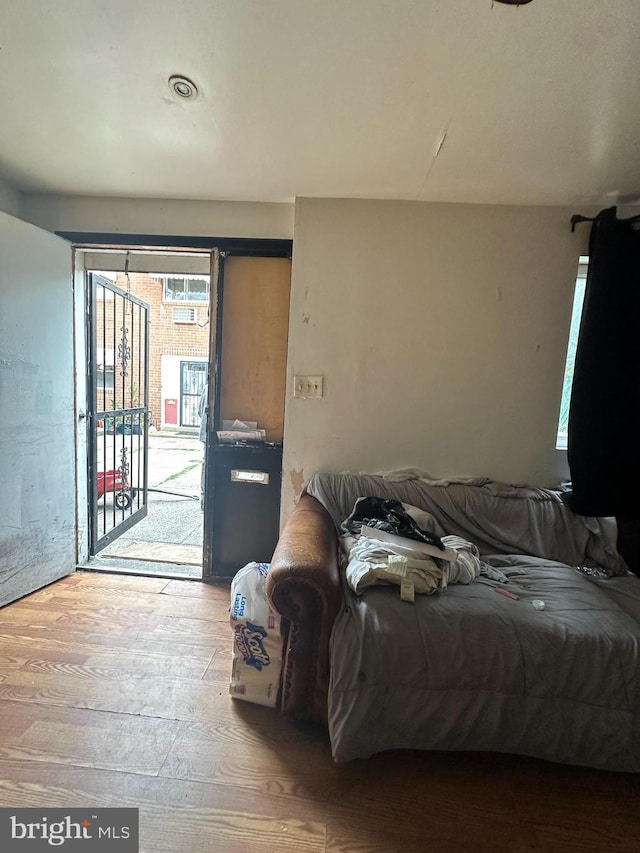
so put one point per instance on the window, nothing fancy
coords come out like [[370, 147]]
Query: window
[[106, 377], [185, 288], [578, 299], [105, 369]]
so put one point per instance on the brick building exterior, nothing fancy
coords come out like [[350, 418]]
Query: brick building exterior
[[178, 347]]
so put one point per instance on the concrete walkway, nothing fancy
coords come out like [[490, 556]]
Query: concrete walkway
[[173, 528]]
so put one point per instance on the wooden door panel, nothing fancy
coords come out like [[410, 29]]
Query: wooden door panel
[[255, 324]]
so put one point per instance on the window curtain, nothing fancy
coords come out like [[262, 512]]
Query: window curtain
[[604, 414]]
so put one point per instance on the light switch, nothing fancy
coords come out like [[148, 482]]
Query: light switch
[[307, 387]]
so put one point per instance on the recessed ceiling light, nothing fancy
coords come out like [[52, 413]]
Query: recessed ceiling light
[[184, 88]]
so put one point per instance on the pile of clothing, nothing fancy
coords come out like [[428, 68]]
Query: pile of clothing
[[389, 542]]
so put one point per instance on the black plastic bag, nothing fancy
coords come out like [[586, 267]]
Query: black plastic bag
[[389, 516]]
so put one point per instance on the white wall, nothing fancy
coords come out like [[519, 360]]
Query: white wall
[[160, 216], [441, 331], [11, 200]]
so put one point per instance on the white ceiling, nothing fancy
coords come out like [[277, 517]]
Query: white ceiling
[[538, 104]]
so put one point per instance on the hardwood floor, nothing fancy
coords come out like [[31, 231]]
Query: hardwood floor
[[114, 692]]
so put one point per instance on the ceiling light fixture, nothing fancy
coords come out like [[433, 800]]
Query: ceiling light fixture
[[513, 2], [184, 88]]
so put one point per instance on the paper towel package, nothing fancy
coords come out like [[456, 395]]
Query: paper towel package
[[257, 643]]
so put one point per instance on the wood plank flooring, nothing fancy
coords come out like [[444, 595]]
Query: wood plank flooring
[[114, 692]]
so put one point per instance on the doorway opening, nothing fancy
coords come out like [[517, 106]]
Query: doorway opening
[[147, 339]]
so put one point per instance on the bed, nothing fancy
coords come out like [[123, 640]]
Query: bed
[[468, 668]]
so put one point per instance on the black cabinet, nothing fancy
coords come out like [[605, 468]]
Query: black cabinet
[[243, 496]]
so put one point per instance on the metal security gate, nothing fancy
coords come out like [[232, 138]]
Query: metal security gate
[[118, 420], [193, 378]]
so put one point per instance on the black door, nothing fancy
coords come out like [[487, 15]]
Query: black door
[[249, 326], [193, 378]]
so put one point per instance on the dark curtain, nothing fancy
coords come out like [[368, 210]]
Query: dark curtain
[[604, 415]]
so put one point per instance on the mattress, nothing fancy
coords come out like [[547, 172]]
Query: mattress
[[469, 668]]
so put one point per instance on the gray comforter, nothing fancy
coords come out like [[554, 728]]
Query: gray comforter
[[469, 669]]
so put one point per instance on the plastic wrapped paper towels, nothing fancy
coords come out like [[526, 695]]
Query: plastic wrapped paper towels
[[257, 643]]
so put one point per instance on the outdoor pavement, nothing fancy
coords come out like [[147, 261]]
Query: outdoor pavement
[[174, 515]]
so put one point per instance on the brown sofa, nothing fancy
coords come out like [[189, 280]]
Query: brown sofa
[[304, 587]]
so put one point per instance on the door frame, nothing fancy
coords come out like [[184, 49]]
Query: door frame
[[81, 390], [85, 241]]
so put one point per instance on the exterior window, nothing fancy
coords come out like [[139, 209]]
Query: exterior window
[[578, 299], [106, 377], [106, 367], [185, 289]]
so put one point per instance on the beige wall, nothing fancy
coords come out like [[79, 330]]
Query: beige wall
[[441, 332], [160, 216], [11, 200]]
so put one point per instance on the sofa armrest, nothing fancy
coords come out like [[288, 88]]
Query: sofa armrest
[[303, 585]]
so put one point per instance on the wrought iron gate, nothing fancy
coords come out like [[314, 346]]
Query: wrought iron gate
[[118, 417]]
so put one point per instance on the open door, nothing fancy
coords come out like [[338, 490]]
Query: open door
[[118, 419], [37, 485], [244, 477]]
